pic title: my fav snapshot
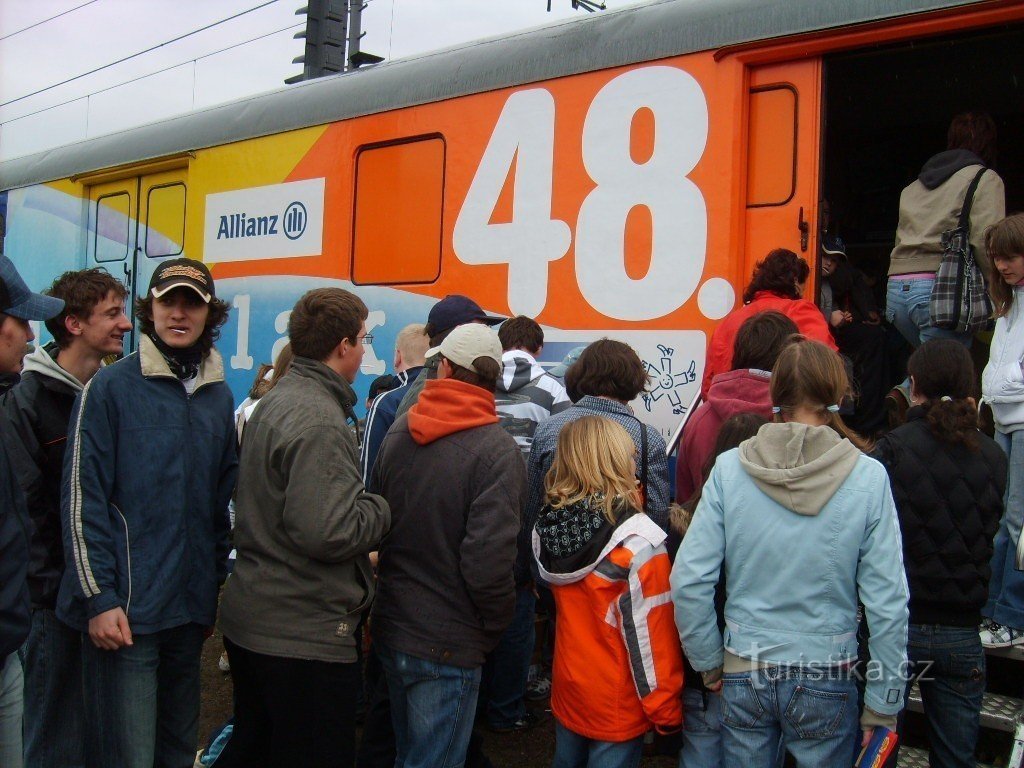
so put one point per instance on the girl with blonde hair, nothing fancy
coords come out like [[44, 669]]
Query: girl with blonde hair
[[618, 668]]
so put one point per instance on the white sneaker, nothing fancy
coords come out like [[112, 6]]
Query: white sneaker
[[995, 635]]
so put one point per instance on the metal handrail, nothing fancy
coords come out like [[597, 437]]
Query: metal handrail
[[678, 434]]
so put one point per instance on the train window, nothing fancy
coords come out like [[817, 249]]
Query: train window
[[112, 231], [771, 146], [397, 218], [165, 220]]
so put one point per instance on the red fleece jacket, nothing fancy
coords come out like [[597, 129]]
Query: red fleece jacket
[[447, 406], [731, 393], [808, 318]]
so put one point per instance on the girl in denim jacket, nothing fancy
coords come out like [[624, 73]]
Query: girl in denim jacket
[[803, 524]]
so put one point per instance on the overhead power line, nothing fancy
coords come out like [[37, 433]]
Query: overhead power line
[[156, 72], [44, 21], [140, 53]]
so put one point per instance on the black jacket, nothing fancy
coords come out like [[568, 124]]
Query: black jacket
[[949, 500], [39, 409], [14, 602]]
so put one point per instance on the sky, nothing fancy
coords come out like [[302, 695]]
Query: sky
[[96, 33]]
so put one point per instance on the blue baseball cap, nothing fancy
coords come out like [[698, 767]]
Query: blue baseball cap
[[454, 310], [562, 368], [17, 300]]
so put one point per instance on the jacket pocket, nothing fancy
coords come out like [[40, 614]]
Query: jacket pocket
[[816, 714]]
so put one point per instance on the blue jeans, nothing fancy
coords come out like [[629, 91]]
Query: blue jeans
[[702, 730], [432, 708], [812, 712], [907, 308], [508, 665], [950, 664], [143, 699], [1006, 590], [12, 692], [54, 702], [575, 751]]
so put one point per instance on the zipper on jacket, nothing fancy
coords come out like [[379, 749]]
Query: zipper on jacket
[[128, 550]]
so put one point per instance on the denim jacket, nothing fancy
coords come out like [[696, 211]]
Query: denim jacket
[[797, 558]]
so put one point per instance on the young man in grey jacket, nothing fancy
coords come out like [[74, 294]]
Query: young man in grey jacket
[[305, 528]]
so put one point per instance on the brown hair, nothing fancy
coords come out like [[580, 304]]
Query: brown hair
[[943, 368], [976, 132], [778, 272], [485, 376], [322, 318], [811, 375], [592, 460], [607, 368], [521, 332], [760, 340], [733, 431], [1005, 240], [282, 363], [214, 320], [81, 291]]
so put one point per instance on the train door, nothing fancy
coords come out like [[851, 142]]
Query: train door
[[134, 224], [783, 130]]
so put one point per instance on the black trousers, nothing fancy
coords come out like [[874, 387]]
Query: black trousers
[[290, 712]]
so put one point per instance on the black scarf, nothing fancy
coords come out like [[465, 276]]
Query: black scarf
[[184, 363]]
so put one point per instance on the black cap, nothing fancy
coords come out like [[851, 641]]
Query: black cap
[[182, 273], [454, 310]]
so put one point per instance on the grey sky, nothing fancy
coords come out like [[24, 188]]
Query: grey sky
[[107, 30]]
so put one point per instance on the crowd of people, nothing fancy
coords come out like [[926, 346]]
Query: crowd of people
[[802, 578]]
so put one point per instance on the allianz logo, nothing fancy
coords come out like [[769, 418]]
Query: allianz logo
[[292, 224]]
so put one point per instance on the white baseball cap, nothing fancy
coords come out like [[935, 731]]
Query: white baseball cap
[[468, 342]]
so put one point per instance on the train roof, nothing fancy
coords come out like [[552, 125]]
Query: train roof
[[614, 38]]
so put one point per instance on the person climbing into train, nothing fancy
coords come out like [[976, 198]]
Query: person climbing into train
[[1002, 387], [948, 481], [929, 206], [617, 669], [777, 283], [804, 525]]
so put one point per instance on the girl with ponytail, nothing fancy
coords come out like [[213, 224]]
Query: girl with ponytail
[[948, 481], [803, 524]]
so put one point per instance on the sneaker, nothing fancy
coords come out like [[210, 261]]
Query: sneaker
[[524, 723], [997, 636], [223, 664], [538, 689]]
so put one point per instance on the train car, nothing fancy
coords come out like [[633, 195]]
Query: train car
[[616, 175]]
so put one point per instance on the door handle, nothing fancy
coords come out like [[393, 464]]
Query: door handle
[[127, 277], [805, 230]]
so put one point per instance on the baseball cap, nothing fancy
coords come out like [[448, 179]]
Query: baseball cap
[[455, 309], [833, 246], [562, 368], [182, 273], [468, 342], [18, 301]]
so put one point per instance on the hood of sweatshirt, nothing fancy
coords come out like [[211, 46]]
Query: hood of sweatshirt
[[43, 360], [741, 391], [447, 406], [518, 369], [570, 542], [799, 466], [940, 167]]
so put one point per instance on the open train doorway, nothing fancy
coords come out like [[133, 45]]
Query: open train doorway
[[887, 110]]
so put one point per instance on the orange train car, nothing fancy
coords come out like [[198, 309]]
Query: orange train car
[[615, 175]]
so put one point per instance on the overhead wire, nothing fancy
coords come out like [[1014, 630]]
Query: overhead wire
[[140, 53], [156, 72], [44, 21]]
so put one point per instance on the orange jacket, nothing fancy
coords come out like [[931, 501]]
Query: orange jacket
[[618, 668], [808, 318]]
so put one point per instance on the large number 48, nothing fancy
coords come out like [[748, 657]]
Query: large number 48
[[525, 135]]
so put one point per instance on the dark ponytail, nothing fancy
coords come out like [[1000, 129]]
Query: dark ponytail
[[943, 372]]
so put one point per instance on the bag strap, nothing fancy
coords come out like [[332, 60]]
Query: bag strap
[[965, 211], [643, 459]]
